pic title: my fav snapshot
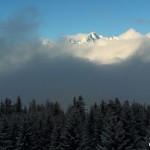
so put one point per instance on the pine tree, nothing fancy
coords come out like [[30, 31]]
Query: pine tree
[[112, 136], [72, 135], [27, 135], [8, 106], [128, 125], [91, 136], [103, 107], [47, 131], [139, 126], [33, 106], [5, 136], [2, 108], [15, 130], [56, 133], [18, 106]]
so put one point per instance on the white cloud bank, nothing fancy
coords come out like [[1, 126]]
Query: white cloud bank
[[105, 50], [23, 48]]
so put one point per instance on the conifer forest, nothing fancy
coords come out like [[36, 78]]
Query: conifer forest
[[107, 125]]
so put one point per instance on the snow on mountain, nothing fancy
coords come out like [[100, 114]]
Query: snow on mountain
[[93, 37], [46, 42], [87, 38], [82, 38]]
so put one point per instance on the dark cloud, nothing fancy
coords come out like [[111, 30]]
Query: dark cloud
[[20, 25], [18, 38], [61, 79]]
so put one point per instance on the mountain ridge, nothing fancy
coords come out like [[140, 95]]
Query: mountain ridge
[[93, 37]]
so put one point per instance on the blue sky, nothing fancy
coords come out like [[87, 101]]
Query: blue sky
[[63, 17]]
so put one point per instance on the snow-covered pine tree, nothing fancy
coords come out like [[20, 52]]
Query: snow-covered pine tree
[[112, 136], [2, 108], [139, 127], [147, 139], [128, 125], [56, 133], [28, 137], [5, 134], [15, 130], [73, 127], [8, 106], [91, 136], [18, 105], [47, 130], [85, 143], [103, 107]]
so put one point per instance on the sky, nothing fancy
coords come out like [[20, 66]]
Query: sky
[[58, 18], [60, 70]]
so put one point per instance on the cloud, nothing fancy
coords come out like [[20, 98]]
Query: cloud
[[107, 68], [18, 39], [20, 44], [142, 21], [106, 50], [148, 35]]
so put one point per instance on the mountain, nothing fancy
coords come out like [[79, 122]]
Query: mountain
[[92, 37], [88, 38], [82, 38], [47, 42]]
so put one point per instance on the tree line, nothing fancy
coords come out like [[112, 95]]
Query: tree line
[[107, 125]]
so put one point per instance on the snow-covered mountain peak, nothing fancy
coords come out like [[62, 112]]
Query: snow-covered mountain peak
[[84, 38], [81, 38], [94, 35], [47, 42]]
